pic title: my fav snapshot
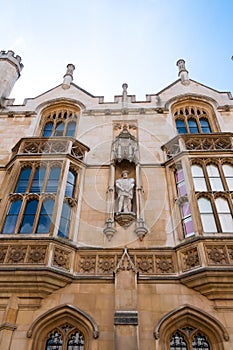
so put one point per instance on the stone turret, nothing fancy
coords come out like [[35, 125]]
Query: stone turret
[[183, 73], [10, 68], [68, 77]]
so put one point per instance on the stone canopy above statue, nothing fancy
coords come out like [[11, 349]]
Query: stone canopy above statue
[[125, 147]]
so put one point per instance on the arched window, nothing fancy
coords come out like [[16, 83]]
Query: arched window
[[70, 185], [64, 226], [186, 339], [198, 178], [59, 131], [38, 180], [60, 122], [193, 128], [224, 214], [23, 180], [48, 129], [53, 180], [45, 217], [29, 216], [177, 342], [192, 119], [228, 173], [70, 131], [214, 177], [207, 215], [205, 126], [180, 126], [12, 217], [186, 219], [180, 183]]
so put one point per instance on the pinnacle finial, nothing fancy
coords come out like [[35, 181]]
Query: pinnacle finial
[[68, 77], [183, 73]]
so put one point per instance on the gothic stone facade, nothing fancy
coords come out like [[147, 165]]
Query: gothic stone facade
[[78, 273]]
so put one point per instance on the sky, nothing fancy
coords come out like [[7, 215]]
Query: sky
[[112, 42]]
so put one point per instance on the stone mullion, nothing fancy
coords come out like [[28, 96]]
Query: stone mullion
[[206, 177], [224, 182], [21, 212], [217, 221]]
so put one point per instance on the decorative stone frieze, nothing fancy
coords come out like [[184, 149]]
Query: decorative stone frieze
[[87, 264], [37, 254], [190, 259], [217, 255], [164, 264], [61, 258]]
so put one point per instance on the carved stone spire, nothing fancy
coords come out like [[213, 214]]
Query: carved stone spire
[[68, 77], [183, 73]]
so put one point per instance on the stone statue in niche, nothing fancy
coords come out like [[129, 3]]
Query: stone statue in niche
[[124, 189]]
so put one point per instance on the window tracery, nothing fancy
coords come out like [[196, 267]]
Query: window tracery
[[188, 338], [31, 206], [213, 186], [192, 120], [60, 122], [65, 337]]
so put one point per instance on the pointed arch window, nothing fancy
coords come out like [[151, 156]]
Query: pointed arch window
[[70, 184], [60, 122], [205, 125], [45, 217], [53, 180], [29, 216], [228, 173], [59, 131], [177, 342], [70, 131], [198, 178], [224, 214], [188, 339], [23, 180], [192, 120], [214, 177], [180, 126], [207, 215], [48, 129], [64, 226], [38, 180], [193, 128], [12, 216]]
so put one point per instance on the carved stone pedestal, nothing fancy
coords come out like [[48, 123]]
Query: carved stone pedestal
[[125, 219]]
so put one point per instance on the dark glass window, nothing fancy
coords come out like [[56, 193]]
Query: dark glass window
[[205, 126], [48, 129], [200, 342], [29, 216], [70, 185], [59, 129], [76, 341], [54, 342], [12, 216], [193, 129], [45, 216], [22, 183], [65, 221], [38, 180], [177, 342], [180, 126], [53, 180], [71, 129]]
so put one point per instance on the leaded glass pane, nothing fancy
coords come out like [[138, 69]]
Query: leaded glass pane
[[224, 215], [180, 126], [198, 178], [193, 129], [29, 216], [48, 129], [54, 342], [228, 172], [59, 129], [214, 177], [207, 216], [22, 184], [65, 221], [53, 180], [38, 180], [12, 217], [177, 342], [200, 342], [70, 184], [205, 126], [71, 129], [45, 216], [76, 341]]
